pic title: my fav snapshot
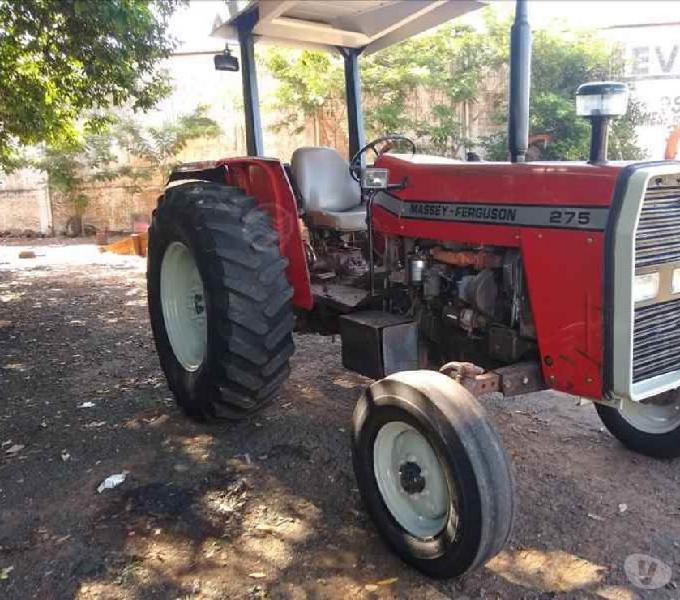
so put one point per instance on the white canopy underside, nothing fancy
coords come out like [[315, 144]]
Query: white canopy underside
[[369, 24]]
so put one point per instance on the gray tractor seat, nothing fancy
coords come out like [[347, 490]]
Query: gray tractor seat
[[330, 197]]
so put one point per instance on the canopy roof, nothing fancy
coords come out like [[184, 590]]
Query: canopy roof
[[369, 24]]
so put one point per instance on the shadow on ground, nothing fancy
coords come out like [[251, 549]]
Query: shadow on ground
[[267, 508]]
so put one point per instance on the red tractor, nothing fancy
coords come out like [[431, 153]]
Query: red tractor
[[507, 277]]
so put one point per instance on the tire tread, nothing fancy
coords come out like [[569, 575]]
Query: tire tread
[[236, 249]]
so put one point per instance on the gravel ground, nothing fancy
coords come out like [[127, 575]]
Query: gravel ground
[[267, 508]]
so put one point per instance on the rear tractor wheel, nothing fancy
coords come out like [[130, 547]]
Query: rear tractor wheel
[[219, 300], [432, 472], [650, 427]]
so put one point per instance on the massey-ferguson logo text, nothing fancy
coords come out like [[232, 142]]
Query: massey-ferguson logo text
[[519, 215], [464, 213], [481, 213]]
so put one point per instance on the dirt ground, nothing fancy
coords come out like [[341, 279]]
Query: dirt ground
[[267, 508]]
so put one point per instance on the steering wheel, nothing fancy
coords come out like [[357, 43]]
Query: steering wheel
[[389, 142]]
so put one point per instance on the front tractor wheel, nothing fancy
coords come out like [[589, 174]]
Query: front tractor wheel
[[650, 427], [219, 300], [432, 472]]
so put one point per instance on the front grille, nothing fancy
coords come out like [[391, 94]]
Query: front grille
[[656, 332], [656, 340], [658, 234]]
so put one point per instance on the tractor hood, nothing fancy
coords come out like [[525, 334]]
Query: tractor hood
[[443, 180]]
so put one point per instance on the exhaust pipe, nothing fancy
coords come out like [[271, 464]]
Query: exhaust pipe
[[520, 81]]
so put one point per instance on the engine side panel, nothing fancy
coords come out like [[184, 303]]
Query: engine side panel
[[559, 225], [266, 180]]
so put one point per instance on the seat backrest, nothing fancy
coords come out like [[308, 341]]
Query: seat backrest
[[323, 179]]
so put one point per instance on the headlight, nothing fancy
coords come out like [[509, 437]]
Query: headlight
[[676, 281], [374, 179], [646, 287]]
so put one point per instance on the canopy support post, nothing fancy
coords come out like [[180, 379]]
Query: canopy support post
[[355, 116], [251, 99]]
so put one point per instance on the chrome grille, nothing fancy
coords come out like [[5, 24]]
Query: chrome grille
[[658, 234], [656, 332], [656, 340]]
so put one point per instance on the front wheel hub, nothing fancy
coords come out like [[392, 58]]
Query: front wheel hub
[[198, 304], [658, 416], [411, 479]]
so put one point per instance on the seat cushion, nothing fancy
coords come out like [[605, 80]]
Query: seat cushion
[[346, 220], [323, 180]]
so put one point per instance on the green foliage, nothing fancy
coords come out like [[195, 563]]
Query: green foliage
[[561, 62], [73, 166], [60, 58], [447, 64], [418, 86], [158, 147], [308, 81], [427, 87]]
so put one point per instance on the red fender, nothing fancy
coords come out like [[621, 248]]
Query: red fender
[[265, 179]]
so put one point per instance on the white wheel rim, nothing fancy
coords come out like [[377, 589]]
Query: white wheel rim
[[183, 304], [411, 479], [652, 418]]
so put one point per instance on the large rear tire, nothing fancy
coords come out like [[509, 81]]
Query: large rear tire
[[219, 300], [432, 472], [651, 427]]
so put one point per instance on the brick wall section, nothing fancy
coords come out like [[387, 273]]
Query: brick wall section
[[113, 205], [24, 202]]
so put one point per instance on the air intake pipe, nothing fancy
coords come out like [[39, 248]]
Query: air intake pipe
[[520, 82], [600, 102]]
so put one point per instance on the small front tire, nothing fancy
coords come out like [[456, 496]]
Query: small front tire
[[432, 472], [650, 427]]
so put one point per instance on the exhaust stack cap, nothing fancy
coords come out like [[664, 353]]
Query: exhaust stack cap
[[602, 99]]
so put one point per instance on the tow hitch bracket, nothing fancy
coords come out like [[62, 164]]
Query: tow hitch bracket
[[521, 378]]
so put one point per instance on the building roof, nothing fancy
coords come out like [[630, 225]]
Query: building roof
[[369, 24]]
